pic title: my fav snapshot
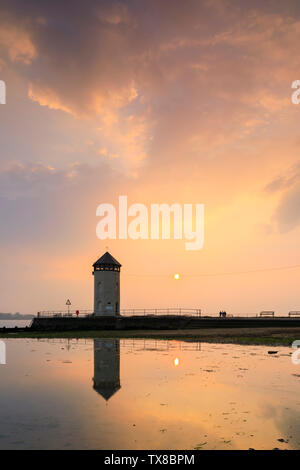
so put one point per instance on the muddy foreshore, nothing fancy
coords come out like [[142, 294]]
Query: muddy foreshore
[[259, 336]]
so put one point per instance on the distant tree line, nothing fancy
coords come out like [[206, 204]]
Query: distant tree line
[[15, 316]]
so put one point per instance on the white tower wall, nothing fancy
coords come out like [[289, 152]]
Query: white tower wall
[[106, 293]]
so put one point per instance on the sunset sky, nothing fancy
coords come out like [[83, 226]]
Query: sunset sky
[[162, 101]]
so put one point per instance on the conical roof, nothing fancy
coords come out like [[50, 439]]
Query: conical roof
[[107, 260], [107, 390]]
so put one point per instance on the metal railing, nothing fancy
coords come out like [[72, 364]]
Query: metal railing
[[177, 311], [189, 312], [64, 313], [196, 312]]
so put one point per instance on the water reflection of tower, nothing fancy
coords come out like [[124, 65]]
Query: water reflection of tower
[[106, 367]]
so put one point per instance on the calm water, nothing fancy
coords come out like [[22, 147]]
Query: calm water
[[125, 394], [13, 323]]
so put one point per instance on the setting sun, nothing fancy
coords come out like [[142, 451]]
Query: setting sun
[[176, 276]]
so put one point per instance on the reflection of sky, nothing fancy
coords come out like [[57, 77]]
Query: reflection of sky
[[225, 395]]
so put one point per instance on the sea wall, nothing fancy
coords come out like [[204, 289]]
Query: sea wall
[[167, 322]]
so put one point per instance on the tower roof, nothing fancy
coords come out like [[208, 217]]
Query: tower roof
[[107, 260], [107, 390]]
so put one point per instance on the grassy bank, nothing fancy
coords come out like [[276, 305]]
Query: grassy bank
[[255, 336]]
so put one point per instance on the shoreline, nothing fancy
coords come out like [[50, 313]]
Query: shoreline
[[255, 336]]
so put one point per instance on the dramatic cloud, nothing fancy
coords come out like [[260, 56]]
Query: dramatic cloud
[[287, 214], [163, 101], [42, 205], [146, 70]]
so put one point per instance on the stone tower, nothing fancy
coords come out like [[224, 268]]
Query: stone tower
[[107, 286]]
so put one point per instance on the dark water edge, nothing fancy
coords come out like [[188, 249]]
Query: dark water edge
[[248, 338]]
